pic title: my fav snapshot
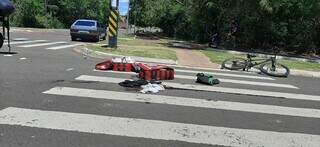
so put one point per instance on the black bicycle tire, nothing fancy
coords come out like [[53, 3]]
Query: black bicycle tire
[[1, 40], [232, 59], [286, 74]]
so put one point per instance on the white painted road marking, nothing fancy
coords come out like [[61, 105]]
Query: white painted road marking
[[243, 82], [221, 80], [42, 44], [70, 69], [188, 102], [20, 39], [64, 46], [251, 71], [24, 42], [226, 74], [153, 129], [211, 88]]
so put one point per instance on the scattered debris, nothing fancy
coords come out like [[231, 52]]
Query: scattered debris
[[106, 65], [158, 72], [123, 60], [153, 88], [123, 64], [207, 79], [149, 76], [70, 69], [133, 84], [85, 53]]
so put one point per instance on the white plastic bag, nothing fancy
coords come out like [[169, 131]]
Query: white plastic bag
[[153, 88], [123, 60]]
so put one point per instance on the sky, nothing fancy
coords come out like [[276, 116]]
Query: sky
[[123, 6]]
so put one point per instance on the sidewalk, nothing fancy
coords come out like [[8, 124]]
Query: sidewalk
[[268, 56], [194, 58], [96, 54]]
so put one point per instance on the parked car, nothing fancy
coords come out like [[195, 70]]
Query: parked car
[[88, 30]]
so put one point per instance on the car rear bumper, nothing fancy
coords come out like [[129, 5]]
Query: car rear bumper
[[84, 35]]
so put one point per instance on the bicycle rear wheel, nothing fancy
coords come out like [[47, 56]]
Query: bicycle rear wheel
[[278, 70], [234, 63], [1, 40]]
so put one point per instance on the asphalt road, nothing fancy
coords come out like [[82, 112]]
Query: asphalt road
[[51, 96]]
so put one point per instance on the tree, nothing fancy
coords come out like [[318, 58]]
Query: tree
[[60, 14], [293, 24]]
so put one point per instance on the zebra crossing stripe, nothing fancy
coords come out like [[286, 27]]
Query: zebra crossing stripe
[[64, 46], [251, 71], [153, 129], [243, 82], [226, 74], [211, 88], [221, 79], [20, 39], [187, 102], [25, 42], [42, 44]]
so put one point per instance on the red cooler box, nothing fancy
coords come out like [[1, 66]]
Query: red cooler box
[[107, 65], [159, 72], [126, 67]]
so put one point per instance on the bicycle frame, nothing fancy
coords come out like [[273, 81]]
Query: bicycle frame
[[250, 62], [268, 66]]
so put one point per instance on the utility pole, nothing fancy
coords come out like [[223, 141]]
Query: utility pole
[[46, 12], [128, 17], [135, 17]]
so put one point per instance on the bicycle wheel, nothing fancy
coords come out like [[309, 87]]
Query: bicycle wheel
[[1, 40], [279, 70], [234, 63]]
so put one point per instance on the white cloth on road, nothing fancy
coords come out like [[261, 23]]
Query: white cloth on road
[[153, 88]]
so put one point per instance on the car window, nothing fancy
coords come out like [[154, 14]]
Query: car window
[[85, 23]]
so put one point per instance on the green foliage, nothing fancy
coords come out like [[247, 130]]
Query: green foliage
[[86, 9], [263, 23], [28, 13], [59, 13]]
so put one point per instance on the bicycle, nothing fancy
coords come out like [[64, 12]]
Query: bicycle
[[268, 66], [215, 41]]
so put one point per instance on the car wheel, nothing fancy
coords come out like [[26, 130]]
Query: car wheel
[[73, 38], [1, 40], [97, 39]]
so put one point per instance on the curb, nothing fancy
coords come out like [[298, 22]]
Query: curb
[[96, 54], [303, 73], [88, 52]]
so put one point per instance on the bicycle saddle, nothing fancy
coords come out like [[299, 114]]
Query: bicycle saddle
[[251, 56]]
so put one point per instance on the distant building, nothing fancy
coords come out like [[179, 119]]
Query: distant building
[[123, 22]]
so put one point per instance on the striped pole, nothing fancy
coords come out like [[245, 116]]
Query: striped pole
[[113, 28]]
